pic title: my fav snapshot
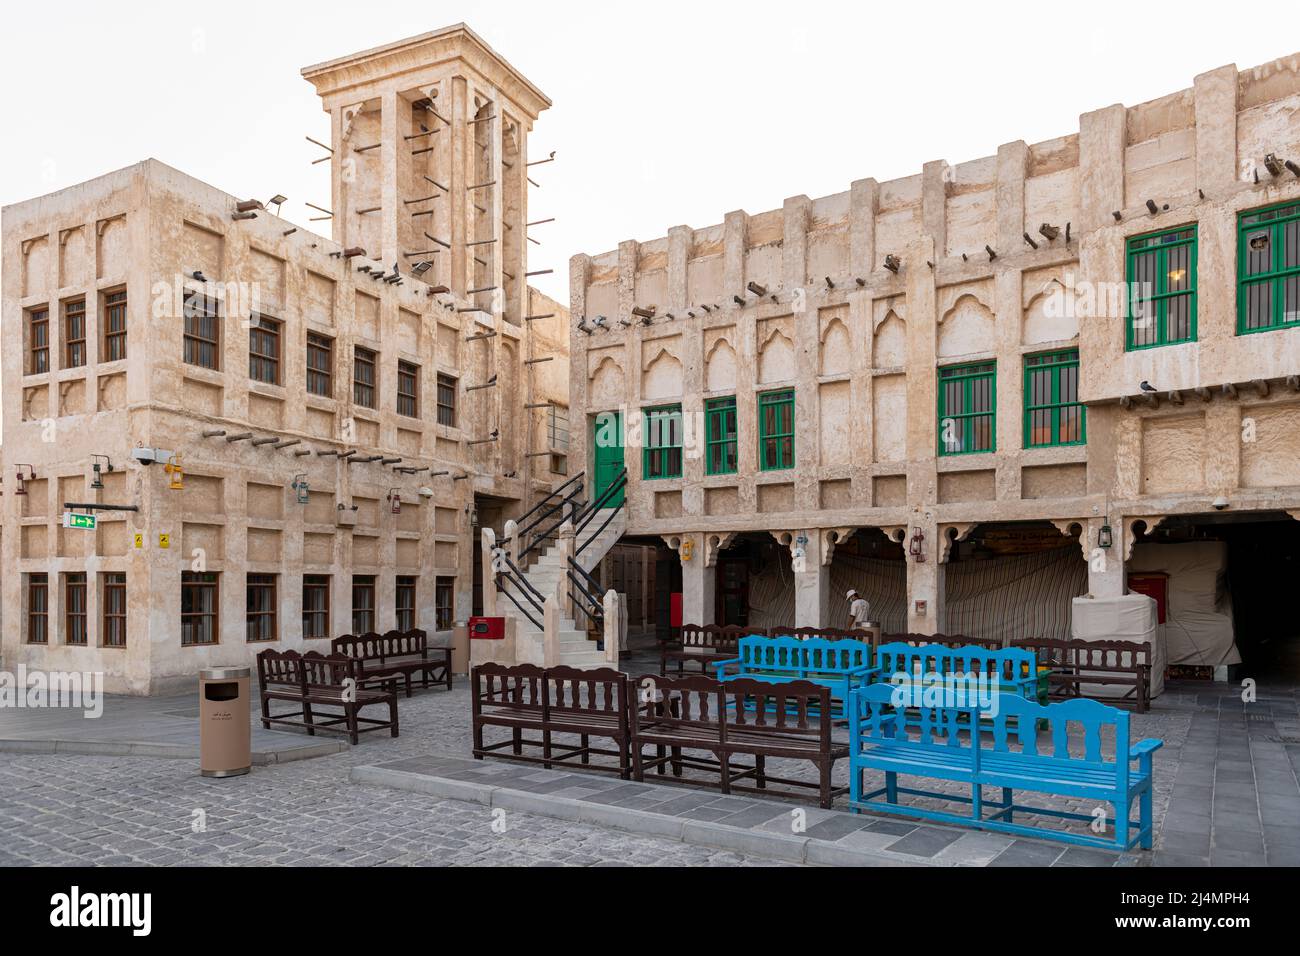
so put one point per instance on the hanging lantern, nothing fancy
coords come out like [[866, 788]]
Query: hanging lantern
[[300, 486], [23, 479], [395, 501], [916, 547], [177, 473], [1105, 537]]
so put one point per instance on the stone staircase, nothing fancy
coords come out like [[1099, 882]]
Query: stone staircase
[[544, 575]]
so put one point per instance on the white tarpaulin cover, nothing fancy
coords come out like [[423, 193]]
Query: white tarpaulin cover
[[1129, 618], [1198, 613]]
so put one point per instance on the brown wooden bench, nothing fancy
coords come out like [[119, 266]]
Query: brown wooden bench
[[944, 640], [400, 654], [739, 720], [551, 701], [1109, 663], [314, 680], [830, 633], [704, 644]]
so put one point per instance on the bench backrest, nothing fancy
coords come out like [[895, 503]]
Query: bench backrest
[[943, 640], [720, 637], [1090, 655], [814, 655], [679, 703], [830, 633], [570, 690], [1007, 663], [1072, 731], [289, 668], [373, 647], [795, 709], [519, 686]]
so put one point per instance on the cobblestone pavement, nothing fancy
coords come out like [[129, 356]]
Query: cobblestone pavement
[[60, 809], [1226, 792]]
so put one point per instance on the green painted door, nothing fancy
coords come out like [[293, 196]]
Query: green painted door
[[607, 440]]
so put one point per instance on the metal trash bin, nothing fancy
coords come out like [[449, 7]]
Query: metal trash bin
[[225, 729]]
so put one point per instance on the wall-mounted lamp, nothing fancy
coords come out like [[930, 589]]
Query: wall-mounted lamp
[[97, 482], [395, 501], [173, 468], [916, 547], [301, 487], [23, 479], [1105, 536]]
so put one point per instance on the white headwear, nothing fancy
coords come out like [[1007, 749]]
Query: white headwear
[[851, 595]]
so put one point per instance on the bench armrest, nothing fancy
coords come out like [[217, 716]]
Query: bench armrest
[[864, 669], [721, 666], [1145, 747]]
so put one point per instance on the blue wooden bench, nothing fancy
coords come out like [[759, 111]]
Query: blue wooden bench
[[885, 736], [837, 665], [1009, 670]]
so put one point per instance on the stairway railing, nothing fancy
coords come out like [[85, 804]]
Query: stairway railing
[[615, 487], [545, 523], [587, 598], [508, 570]]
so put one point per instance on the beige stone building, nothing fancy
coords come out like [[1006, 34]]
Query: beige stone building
[[932, 389], [283, 437]]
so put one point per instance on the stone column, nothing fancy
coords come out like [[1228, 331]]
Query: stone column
[[1105, 565], [699, 579], [925, 578], [812, 580]]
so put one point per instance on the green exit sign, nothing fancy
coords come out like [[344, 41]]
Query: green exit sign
[[84, 522]]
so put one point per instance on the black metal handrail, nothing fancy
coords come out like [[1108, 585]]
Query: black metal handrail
[[523, 533], [517, 576], [522, 522], [588, 513], [591, 594], [613, 513], [522, 610]]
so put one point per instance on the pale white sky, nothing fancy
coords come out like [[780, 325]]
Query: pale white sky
[[666, 113]]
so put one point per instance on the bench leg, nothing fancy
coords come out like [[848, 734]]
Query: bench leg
[[1145, 818], [354, 735], [307, 719], [827, 800], [677, 761], [638, 774], [266, 714], [392, 713], [976, 802], [546, 747], [1121, 823], [659, 755], [624, 761], [1006, 803], [891, 786], [586, 757], [478, 740], [724, 759], [407, 675], [760, 772], [517, 738]]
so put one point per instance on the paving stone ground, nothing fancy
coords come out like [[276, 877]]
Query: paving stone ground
[[1226, 794]]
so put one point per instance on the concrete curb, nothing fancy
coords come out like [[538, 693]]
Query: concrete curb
[[113, 748], [761, 843]]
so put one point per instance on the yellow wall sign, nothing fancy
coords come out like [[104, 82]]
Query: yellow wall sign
[[139, 541], [164, 541]]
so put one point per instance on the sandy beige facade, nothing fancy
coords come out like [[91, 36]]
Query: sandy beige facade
[[272, 393], [855, 302]]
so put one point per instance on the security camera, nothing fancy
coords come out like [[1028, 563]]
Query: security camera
[[1221, 504], [426, 492]]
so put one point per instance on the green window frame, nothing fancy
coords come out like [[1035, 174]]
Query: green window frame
[[1268, 269], [967, 413], [1161, 300], [721, 449], [1053, 413], [662, 454], [776, 430]]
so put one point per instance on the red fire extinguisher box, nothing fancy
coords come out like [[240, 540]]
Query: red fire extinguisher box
[[487, 628]]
